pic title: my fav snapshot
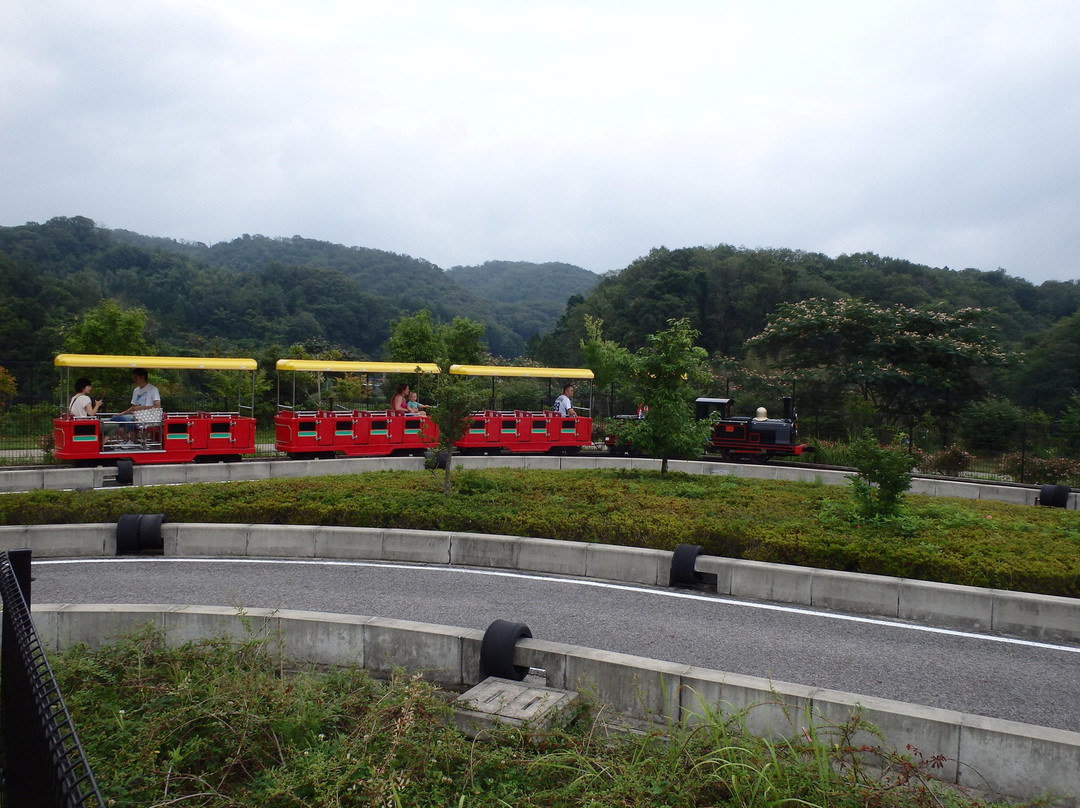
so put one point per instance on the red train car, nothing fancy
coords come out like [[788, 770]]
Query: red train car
[[329, 431], [166, 436], [524, 431]]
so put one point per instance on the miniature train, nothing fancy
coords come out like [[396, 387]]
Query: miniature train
[[201, 436]]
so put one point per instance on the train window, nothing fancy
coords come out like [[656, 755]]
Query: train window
[[179, 430], [343, 427], [220, 429], [539, 426], [477, 427], [509, 427], [82, 430], [306, 429]]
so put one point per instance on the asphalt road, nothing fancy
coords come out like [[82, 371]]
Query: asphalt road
[[992, 675]]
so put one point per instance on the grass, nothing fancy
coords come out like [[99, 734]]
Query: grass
[[224, 723], [978, 543]]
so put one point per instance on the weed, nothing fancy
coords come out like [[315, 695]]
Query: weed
[[217, 723]]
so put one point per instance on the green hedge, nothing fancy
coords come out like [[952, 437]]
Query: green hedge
[[978, 543]]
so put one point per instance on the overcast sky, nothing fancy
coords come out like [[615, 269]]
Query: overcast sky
[[945, 132]]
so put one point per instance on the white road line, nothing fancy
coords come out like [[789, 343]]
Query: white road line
[[656, 592]]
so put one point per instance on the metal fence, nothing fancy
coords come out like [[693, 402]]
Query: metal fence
[[43, 764]]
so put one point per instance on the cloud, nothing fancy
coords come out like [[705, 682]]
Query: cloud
[[580, 132]]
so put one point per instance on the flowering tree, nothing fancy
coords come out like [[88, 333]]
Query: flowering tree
[[902, 360]]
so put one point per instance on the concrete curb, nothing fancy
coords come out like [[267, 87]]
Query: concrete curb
[[1005, 757], [968, 608], [18, 480]]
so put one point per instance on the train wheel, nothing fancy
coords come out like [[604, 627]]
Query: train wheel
[[124, 471]]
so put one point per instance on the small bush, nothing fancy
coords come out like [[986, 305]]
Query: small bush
[[949, 461], [884, 474], [1045, 470]]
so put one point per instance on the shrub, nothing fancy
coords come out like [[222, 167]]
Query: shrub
[[949, 461], [1046, 470], [883, 475]]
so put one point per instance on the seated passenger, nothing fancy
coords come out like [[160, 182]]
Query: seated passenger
[[145, 399], [563, 404], [414, 405], [80, 405], [400, 401]]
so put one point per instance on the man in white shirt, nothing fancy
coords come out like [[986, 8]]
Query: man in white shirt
[[563, 405], [145, 396]]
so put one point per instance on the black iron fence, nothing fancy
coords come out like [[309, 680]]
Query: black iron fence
[[43, 764]]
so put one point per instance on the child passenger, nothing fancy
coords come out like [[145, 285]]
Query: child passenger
[[415, 407]]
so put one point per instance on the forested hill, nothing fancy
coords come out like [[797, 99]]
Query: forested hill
[[252, 292], [518, 281], [533, 296], [727, 293], [524, 298], [255, 292]]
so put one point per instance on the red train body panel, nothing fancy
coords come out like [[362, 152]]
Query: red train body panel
[[179, 438], [356, 433], [521, 431]]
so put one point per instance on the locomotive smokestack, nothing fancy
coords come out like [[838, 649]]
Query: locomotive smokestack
[[787, 408]]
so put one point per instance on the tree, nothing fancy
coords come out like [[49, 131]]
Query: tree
[[666, 373], [609, 362], [905, 361], [991, 424], [108, 329], [1070, 426], [417, 338]]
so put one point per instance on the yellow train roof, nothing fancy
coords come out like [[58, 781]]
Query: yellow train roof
[[510, 370], [156, 362], [346, 366]]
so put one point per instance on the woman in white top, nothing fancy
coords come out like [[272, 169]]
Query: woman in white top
[[81, 406]]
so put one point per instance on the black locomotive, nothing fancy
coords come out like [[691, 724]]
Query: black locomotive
[[735, 437], [756, 437]]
